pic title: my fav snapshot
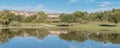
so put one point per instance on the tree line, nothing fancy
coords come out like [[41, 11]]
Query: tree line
[[83, 17], [7, 18]]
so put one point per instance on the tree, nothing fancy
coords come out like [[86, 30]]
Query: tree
[[91, 17], [8, 17], [115, 17], [68, 18], [80, 16], [5, 17], [42, 17], [76, 17], [31, 19]]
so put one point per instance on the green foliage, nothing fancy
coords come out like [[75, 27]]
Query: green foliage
[[80, 14], [42, 17], [68, 18], [110, 15], [115, 17], [6, 17], [76, 17], [30, 19], [81, 17]]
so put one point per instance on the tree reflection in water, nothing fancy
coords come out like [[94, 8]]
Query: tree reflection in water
[[7, 34], [79, 36]]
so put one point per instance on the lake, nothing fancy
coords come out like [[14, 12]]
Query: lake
[[60, 38]]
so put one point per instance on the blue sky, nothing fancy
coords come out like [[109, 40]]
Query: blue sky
[[66, 6]]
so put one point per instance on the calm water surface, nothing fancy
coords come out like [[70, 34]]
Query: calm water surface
[[42, 38]]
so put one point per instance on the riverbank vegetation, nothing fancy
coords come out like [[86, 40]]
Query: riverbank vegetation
[[106, 20]]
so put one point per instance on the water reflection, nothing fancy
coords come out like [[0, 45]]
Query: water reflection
[[81, 36], [7, 34], [45, 38]]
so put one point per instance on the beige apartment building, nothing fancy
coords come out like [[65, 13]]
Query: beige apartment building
[[23, 13], [52, 16], [26, 13]]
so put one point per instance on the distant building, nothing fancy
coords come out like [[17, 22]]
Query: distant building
[[26, 13], [54, 17], [23, 13]]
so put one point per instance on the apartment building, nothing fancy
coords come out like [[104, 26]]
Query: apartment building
[[26, 13], [23, 13], [54, 17]]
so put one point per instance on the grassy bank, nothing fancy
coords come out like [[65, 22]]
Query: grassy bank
[[28, 25], [92, 26]]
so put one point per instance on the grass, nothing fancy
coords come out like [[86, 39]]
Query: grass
[[30, 25], [94, 26]]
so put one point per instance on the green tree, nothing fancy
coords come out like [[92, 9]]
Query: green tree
[[76, 17], [80, 16], [6, 17], [115, 17], [42, 17], [68, 18], [31, 19], [92, 17]]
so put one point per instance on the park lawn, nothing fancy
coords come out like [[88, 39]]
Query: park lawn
[[94, 27], [30, 25]]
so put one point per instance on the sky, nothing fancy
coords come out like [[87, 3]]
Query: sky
[[59, 6]]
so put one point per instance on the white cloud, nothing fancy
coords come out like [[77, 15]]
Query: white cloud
[[100, 9], [72, 1], [26, 8], [39, 7], [105, 4], [89, 1], [85, 1]]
